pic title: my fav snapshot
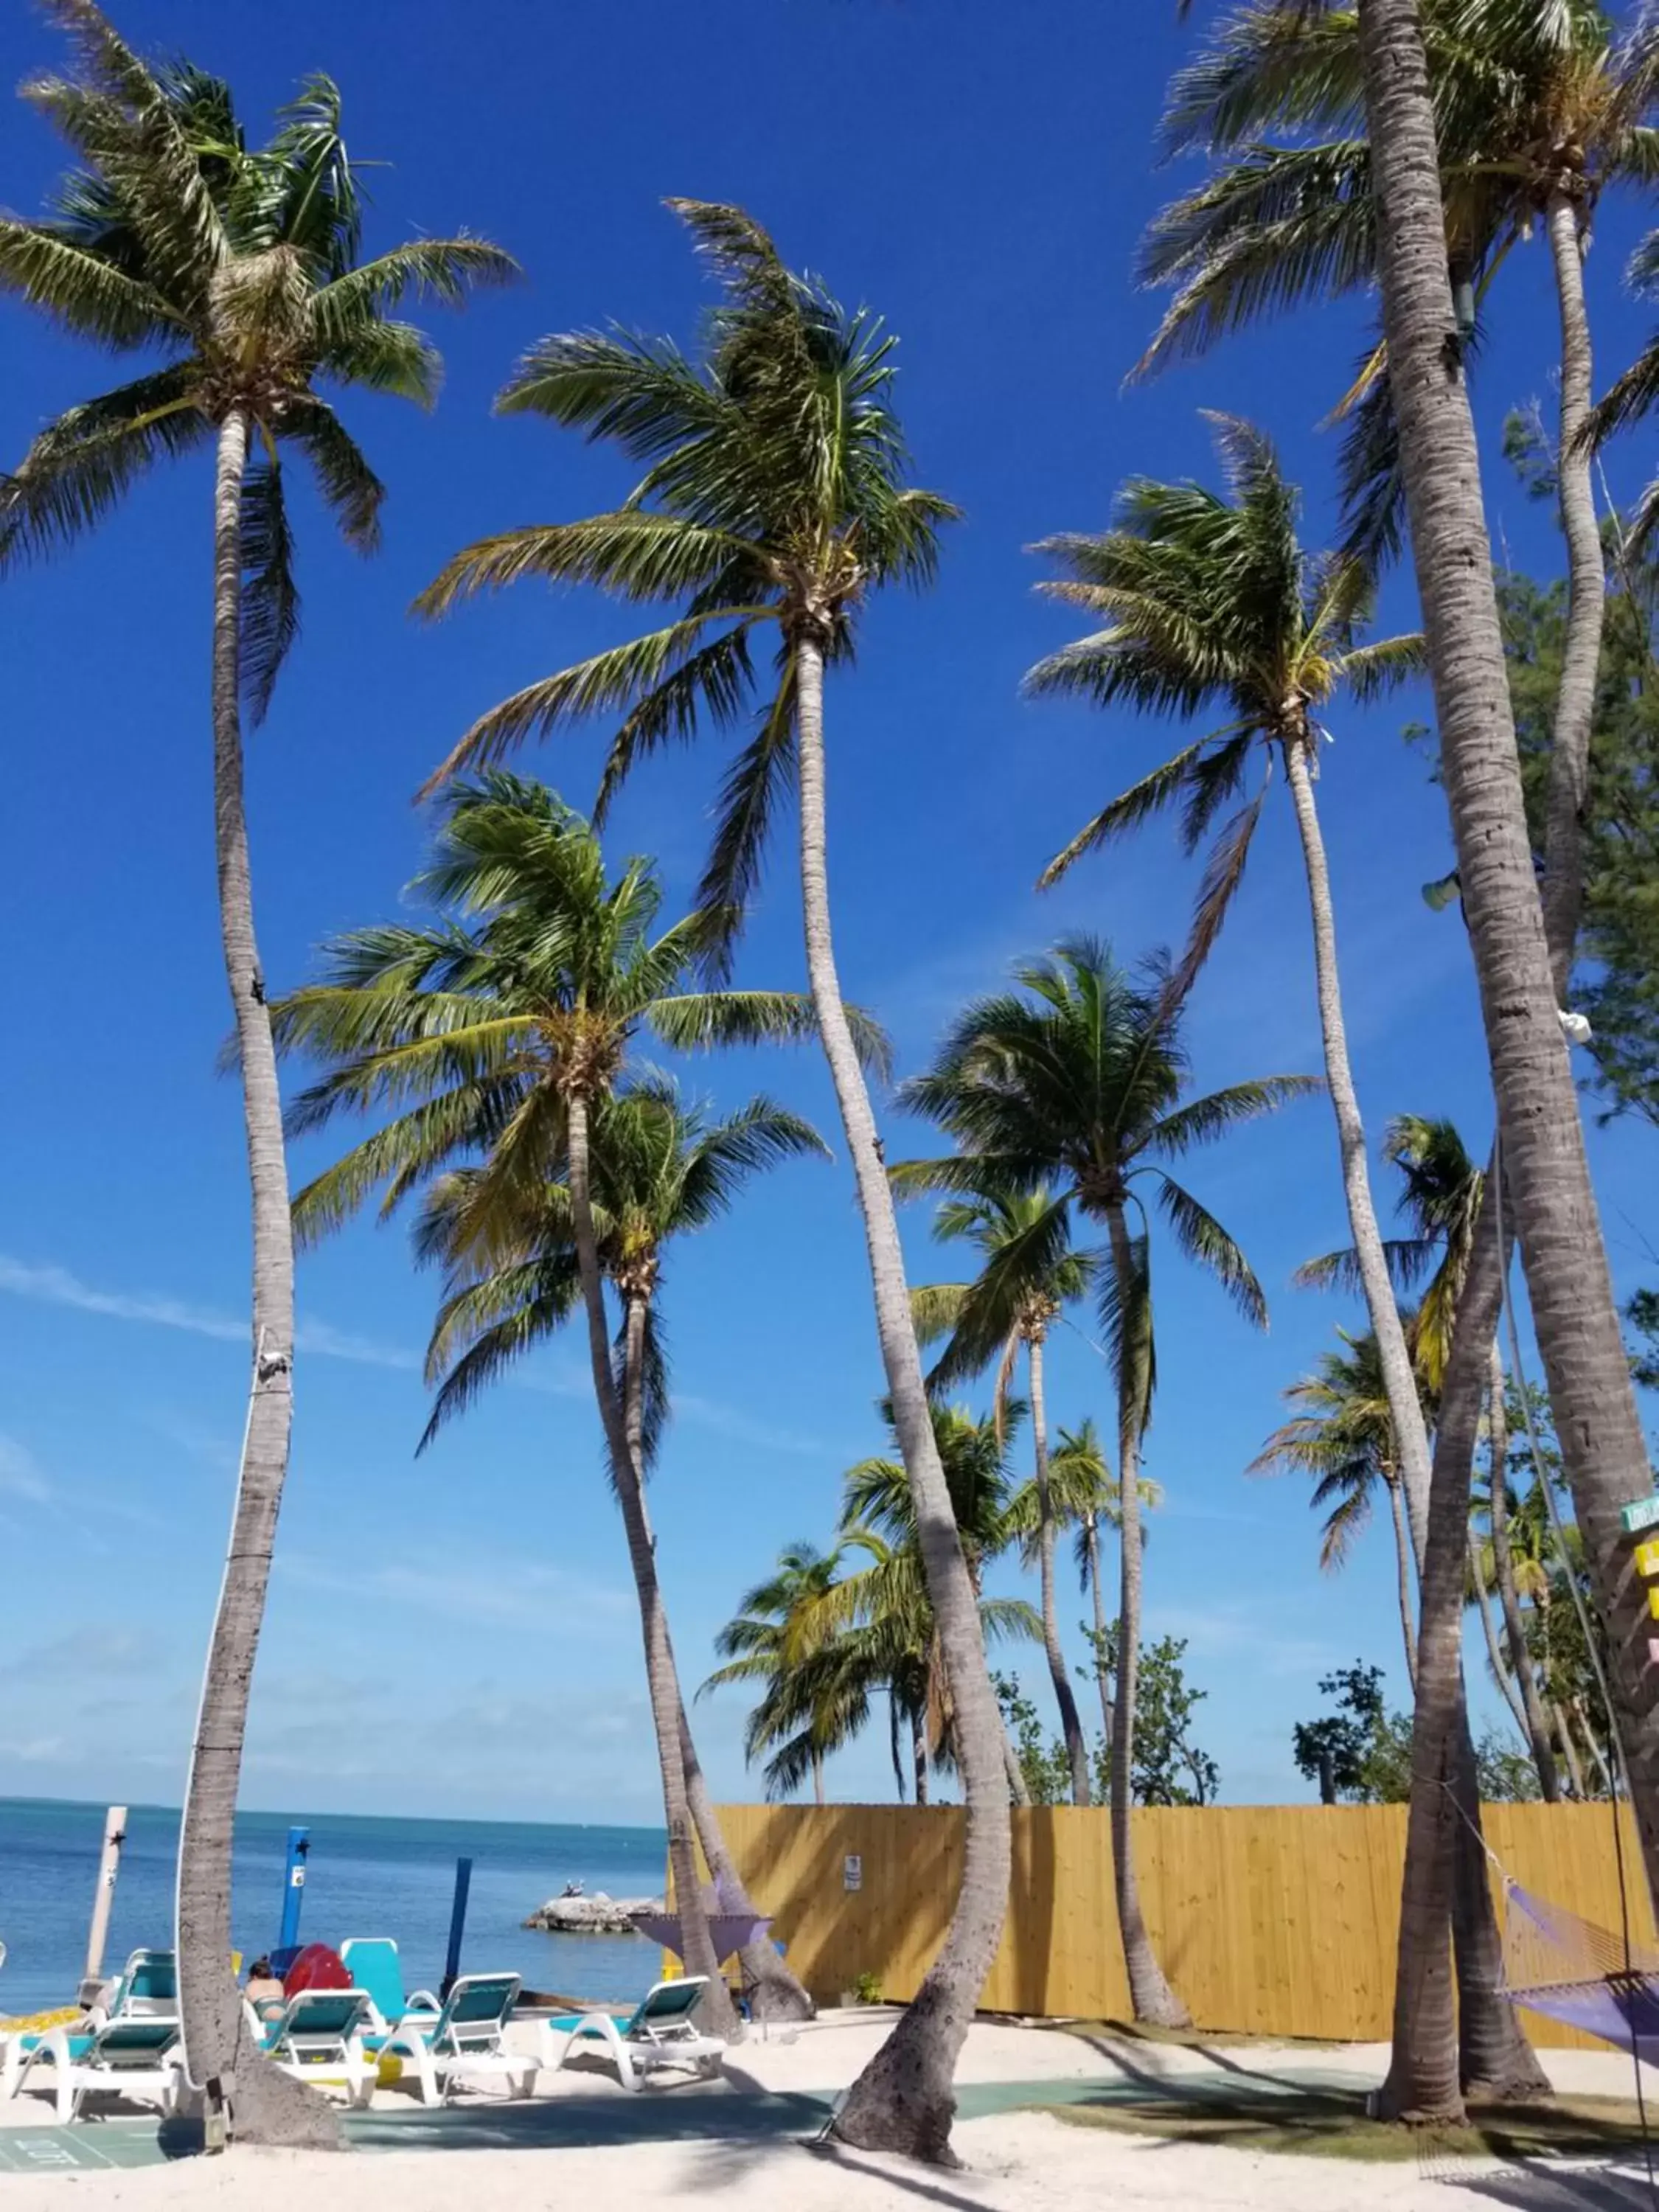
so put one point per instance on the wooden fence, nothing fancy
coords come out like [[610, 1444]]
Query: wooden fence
[[1270, 1920]]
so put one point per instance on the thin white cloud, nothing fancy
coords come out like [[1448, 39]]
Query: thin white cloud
[[728, 1421], [56, 1286], [21, 1475]]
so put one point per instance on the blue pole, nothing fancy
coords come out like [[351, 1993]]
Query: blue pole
[[456, 1927], [293, 1887]]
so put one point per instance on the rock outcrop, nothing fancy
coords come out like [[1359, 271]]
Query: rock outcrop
[[591, 1916]]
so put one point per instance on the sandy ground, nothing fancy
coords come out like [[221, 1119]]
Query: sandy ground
[[1016, 2162]]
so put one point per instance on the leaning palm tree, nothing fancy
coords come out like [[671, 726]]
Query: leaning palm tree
[[237, 270], [1341, 1434], [1073, 1083], [1210, 602], [773, 499], [662, 1170], [1546, 1175], [500, 1029], [1011, 1306]]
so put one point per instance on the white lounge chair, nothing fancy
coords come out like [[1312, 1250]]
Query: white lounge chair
[[132, 2057], [467, 2041], [319, 2037], [660, 2032]]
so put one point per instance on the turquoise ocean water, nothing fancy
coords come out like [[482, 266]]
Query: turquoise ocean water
[[365, 1877]]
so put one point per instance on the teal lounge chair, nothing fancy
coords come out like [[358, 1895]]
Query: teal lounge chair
[[661, 2032], [374, 1966], [320, 2037], [147, 1988], [467, 2041], [124, 2057]]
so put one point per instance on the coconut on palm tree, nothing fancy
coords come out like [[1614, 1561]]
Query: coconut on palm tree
[[1011, 1306], [1075, 1084], [236, 271], [1210, 605], [773, 503], [501, 1030]]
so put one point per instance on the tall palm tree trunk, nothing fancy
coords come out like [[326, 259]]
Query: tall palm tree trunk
[[1535, 1722], [1399, 1382], [1581, 653], [919, 1757], [818, 1776], [1575, 1319], [902, 2100], [1153, 1999], [894, 1744], [1500, 1672], [268, 2106], [661, 1680], [1091, 1541], [1442, 2048], [1402, 1564], [1077, 1751]]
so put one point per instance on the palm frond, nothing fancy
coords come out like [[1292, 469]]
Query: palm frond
[[79, 467], [1202, 1237], [271, 601]]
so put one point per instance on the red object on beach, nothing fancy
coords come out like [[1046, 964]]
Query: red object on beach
[[316, 1967]]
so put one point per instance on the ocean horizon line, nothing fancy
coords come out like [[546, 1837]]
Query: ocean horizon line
[[300, 1817]]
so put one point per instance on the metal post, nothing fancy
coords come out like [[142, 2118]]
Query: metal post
[[109, 1865], [456, 1927], [293, 1887]]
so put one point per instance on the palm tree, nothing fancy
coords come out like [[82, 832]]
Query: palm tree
[[773, 495], [1441, 1200], [1083, 1493], [876, 1499], [238, 269], [1342, 1435], [1074, 1083], [767, 1641], [1545, 1172], [1210, 602], [1010, 1305], [1538, 111], [507, 1022]]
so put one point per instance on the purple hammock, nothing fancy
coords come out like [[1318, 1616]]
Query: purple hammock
[[1571, 1970]]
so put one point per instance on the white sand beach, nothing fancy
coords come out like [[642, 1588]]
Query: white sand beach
[[1014, 2162]]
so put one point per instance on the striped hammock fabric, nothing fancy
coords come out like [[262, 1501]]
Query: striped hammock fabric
[[1571, 1970]]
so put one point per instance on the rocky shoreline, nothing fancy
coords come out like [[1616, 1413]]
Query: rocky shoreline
[[591, 1916]]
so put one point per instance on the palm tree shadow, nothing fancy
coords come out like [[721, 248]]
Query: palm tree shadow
[[727, 2163]]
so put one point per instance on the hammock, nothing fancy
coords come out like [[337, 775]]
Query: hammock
[[1571, 1970]]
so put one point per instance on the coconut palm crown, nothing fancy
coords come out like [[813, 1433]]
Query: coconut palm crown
[[1208, 601], [773, 496], [236, 271], [477, 1028]]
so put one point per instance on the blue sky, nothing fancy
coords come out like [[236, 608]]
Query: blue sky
[[457, 1633]]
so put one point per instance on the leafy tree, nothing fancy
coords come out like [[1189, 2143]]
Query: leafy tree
[[772, 1640], [1044, 1761], [1616, 982], [774, 498], [1074, 1083], [1361, 1753], [236, 271], [1210, 605], [1169, 1768], [1643, 1314]]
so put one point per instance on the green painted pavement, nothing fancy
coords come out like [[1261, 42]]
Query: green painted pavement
[[690, 2115]]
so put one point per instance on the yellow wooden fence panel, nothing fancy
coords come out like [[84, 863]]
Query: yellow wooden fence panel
[[1269, 1919]]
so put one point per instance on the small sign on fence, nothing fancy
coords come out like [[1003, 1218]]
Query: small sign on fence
[[1642, 1513], [852, 1872]]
